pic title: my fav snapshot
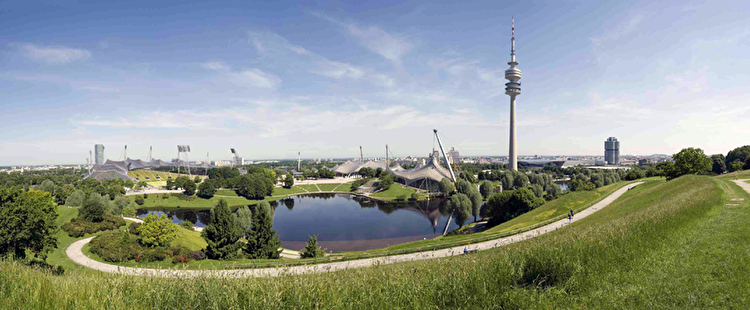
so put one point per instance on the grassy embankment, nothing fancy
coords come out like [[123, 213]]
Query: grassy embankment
[[665, 245], [154, 178], [395, 191]]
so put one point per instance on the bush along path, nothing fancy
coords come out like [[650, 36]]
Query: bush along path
[[74, 251]]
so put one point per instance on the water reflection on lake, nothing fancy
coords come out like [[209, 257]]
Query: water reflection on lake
[[343, 222]]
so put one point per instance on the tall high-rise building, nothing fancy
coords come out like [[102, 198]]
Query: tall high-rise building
[[453, 156], [612, 151], [99, 152], [513, 89]]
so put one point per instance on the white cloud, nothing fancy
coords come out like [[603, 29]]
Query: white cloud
[[390, 46], [339, 70], [256, 77], [215, 65], [54, 55]]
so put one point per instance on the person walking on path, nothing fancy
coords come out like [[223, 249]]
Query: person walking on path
[[466, 250], [571, 213]]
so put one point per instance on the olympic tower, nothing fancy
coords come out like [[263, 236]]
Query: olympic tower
[[513, 89]]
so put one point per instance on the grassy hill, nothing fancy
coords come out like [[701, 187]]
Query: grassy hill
[[661, 245]]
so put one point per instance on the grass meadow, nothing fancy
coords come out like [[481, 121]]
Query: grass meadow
[[666, 245]]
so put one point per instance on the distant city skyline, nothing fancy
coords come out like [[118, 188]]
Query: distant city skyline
[[271, 80]]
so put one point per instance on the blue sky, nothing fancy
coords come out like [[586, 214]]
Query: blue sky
[[325, 77]]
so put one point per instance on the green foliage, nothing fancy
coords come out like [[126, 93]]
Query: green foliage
[[288, 180], [262, 241], [486, 189], [460, 206], [118, 205], [504, 206], [634, 174], [537, 190], [139, 200], [507, 181], [222, 233], [312, 249], [576, 185], [244, 217], [27, 222], [157, 231], [93, 208], [359, 182], [689, 161], [75, 199], [187, 225], [79, 227], [719, 165], [401, 197], [189, 187], [207, 189], [446, 186], [197, 179], [128, 211], [133, 228], [254, 186], [115, 246], [741, 154], [414, 197], [386, 180], [367, 172], [468, 176]]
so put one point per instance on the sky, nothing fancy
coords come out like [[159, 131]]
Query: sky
[[325, 77]]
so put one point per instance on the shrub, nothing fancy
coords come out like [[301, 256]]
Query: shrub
[[93, 208], [312, 249], [145, 196], [187, 225], [157, 231], [128, 212], [153, 255], [180, 254], [401, 198], [133, 228], [504, 206], [139, 200], [79, 227], [165, 196], [197, 255], [461, 231], [115, 246], [414, 197]]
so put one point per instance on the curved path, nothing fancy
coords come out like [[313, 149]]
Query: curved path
[[75, 254]]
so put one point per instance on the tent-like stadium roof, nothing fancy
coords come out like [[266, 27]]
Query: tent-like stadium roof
[[351, 167], [431, 170]]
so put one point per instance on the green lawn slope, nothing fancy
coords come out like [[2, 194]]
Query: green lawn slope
[[666, 245]]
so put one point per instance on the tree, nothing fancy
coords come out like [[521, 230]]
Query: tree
[[312, 249], [468, 176], [118, 205], [504, 206], [742, 154], [288, 180], [262, 241], [27, 222], [222, 233], [507, 181], [141, 184], [207, 189], [157, 231], [386, 180], [197, 179], [486, 189], [537, 190], [128, 184], [634, 174], [553, 190], [63, 192], [520, 180], [75, 199], [170, 183], [48, 186], [460, 206], [92, 209], [737, 165], [476, 202], [446, 186], [719, 165], [189, 187], [463, 186], [244, 217], [689, 161]]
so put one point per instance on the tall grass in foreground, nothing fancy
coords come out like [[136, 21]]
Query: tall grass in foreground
[[658, 246]]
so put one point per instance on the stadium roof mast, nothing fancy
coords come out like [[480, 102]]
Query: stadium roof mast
[[386, 157], [183, 149], [125, 153], [150, 153], [299, 161], [442, 151], [236, 158], [361, 155]]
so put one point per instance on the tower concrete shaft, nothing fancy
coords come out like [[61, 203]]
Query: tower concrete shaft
[[513, 89]]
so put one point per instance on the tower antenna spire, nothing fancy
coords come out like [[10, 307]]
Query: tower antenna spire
[[513, 39], [513, 89]]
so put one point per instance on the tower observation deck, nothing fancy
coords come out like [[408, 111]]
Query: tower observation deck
[[513, 89]]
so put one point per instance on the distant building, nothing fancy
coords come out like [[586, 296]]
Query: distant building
[[435, 153], [453, 156], [222, 163], [612, 151], [99, 153]]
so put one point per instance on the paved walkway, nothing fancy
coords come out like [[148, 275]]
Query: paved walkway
[[75, 254], [742, 183]]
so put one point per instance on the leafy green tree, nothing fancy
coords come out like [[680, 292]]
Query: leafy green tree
[[128, 211], [48, 186], [386, 180], [446, 186], [63, 192], [118, 205], [520, 180], [207, 189], [742, 154], [197, 179], [653, 172], [129, 184], [537, 190], [460, 206], [507, 181], [463, 186], [468, 176], [719, 165], [244, 217], [93, 208], [689, 161], [476, 202], [288, 180], [141, 184], [634, 174], [189, 187], [222, 233], [157, 231], [170, 184], [312, 249], [737, 165], [187, 225], [27, 222], [262, 241], [553, 190], [75, 199], [504, 206], [486, 189]]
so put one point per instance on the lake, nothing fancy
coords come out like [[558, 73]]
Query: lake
[[343, 222]]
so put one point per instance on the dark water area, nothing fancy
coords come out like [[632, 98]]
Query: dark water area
[[343, 222]]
